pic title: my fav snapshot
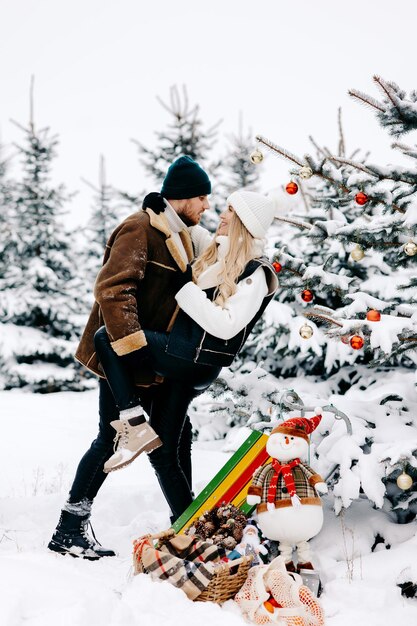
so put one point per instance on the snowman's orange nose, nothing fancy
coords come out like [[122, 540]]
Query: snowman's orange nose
[[287, 441]]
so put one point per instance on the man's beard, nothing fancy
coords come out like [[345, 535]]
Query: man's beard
[[189, 219]]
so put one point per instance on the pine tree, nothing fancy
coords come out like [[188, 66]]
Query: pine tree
[[8, 241], [303, 249], [384, 232], [184, 135], [107, 212], [39, 308], [384, 228], [236, 167], [363, 275]]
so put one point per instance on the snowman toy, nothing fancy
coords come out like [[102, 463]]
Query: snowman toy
[[286, 491]]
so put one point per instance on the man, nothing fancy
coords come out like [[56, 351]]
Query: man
[[134, 290]]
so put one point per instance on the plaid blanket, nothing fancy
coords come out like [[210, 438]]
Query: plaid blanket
[[186, 562]]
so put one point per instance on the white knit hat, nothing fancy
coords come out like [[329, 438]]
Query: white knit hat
[[255, 210]]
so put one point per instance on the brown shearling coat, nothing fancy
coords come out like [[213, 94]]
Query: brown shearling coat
[[134, 288]]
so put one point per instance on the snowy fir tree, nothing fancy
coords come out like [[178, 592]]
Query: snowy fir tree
[[346, 311], [185, 134], [302, 240], [376, 237], [40, 312], [8, 237], [237, 169], [107, 212]]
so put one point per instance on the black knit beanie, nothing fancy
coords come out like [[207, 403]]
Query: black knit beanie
[[185, 179]]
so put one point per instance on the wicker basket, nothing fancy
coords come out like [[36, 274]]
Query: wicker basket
[[227, 579]]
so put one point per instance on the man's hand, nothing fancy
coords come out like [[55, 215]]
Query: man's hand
[[154, 201], [182, 278]]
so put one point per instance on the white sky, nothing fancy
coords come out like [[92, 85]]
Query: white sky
[[99, 65]]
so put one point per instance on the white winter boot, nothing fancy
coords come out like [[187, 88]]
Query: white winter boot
[[130, 441]]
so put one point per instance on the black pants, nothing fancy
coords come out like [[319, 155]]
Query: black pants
[[166, 404]]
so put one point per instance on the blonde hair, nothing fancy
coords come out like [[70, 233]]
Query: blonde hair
[[232, 265]]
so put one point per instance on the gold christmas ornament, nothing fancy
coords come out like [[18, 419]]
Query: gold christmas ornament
[[305, 172], [410, 248], [306, 331], [357, 253], [404, 481], [256, 156]]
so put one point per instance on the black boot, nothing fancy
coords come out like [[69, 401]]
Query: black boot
[[71, 537]]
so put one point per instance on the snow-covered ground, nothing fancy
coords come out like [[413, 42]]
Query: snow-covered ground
[[42, 438]]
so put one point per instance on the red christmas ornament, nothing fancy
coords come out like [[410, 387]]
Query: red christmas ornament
[[277, 266], [373, 315], [361, 198], [291, 188], [307, 295], [356, 342]]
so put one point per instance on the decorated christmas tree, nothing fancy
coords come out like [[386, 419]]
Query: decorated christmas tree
[[305, 254], [346, 311], [359, 263]]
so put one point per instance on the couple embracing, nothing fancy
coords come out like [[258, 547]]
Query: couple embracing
[[173, 305]]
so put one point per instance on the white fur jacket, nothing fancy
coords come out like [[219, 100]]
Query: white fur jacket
[[239, 309]]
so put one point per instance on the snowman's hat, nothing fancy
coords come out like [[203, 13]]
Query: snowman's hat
[[298, 426]]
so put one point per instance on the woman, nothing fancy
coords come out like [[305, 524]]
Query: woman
[[233, 285]]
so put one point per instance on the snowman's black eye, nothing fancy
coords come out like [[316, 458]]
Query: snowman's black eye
[[291, 438]]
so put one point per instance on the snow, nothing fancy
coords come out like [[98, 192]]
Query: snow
[[410, 218], [383, 334], [43, 437], [296, 341], [327, 278]]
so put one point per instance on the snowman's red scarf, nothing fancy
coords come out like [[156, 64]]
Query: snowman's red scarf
[[286, 471]]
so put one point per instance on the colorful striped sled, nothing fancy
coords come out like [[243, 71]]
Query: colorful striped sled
[[231, 483]]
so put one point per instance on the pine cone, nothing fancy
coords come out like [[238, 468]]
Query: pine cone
[[220, 512], [209, 528], [200, 529], [238, 529], [229, 543], [218, 538], [190, 530], [212, 516], [238, 533]]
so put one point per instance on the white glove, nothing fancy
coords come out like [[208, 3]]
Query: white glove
[[251, 499], [321, 487]]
